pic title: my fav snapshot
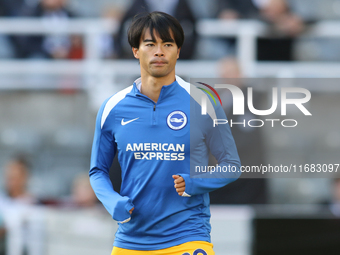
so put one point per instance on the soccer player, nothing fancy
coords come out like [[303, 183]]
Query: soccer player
[[160, 209]]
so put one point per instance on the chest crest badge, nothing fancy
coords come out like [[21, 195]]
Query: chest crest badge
[[176, 120]]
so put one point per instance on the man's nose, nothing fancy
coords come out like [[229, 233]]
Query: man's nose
[[159, 52]]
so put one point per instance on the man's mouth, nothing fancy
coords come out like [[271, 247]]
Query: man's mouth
[[159, 63]]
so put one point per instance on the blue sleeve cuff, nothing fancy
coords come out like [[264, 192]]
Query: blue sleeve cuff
[[121, 211]]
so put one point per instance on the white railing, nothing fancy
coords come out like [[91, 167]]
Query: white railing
[[246, 33], [93, 68], [89, 28]]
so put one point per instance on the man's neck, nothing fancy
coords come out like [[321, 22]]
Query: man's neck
[[152, 86]]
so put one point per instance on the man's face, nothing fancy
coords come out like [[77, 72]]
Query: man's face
[[157, 58], [16, 178]]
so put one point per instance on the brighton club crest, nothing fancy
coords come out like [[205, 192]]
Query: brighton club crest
[[176, 120]]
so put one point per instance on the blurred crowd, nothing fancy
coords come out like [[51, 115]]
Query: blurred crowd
[[21, 216], [16, 173], [284, 21], [41, 46]]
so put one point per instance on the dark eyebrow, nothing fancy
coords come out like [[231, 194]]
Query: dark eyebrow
[[151, 40]]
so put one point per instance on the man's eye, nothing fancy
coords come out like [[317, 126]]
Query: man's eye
[[168, 45], [149, 44]]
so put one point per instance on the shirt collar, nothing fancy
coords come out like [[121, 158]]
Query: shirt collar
[[166, 89], [138, 83]]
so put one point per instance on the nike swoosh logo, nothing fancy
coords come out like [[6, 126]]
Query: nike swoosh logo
[[127, 122]]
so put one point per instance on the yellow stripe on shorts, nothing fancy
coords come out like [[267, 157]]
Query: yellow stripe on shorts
[[189, 248]]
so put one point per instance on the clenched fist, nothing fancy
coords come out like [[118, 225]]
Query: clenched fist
[[179, 184]]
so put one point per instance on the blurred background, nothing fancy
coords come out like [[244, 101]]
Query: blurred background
[[59, 59]]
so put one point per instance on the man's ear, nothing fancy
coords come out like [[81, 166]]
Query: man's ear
[[178, 51], [135, 52]]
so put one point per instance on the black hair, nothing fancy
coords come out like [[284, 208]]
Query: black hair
[[167, 27]]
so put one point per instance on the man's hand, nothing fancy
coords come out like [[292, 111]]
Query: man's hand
[[131, 210], [179, 184]]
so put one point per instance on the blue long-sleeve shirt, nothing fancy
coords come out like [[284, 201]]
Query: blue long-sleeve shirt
[[155, 141]]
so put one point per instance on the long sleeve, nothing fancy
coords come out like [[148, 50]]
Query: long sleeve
[[103, 152], [219, 141]]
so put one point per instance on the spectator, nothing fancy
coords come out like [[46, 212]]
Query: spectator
[[14, 8], [106, 42], [23, 222], [82, 194], [56, 46], [285, 24], [44, 46], [282, 17], [249, 143], [16, 176], [241, 9], [50, 46], [10, 45], [180, 9]]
